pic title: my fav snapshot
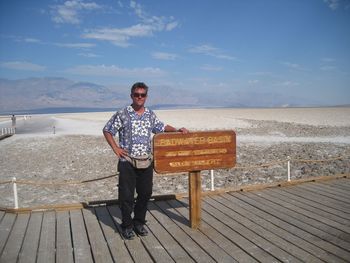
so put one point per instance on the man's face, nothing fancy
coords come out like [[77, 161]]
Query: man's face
[[139, 97]]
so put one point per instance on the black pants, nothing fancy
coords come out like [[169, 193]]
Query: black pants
[[130, 179]]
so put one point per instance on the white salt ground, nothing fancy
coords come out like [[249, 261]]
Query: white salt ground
[[201, 119], [263, 136]]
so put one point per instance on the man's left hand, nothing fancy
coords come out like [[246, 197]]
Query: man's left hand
[[183, 130]]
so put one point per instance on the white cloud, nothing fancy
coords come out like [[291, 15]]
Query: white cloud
[[119, 37], [164, 56], [253, 81], [70, 11], [88, 55], [327, 68], [22, 65], [328, 60], [75, 45], [147, 27], [288, 83], [170, 26], [333, 4], [114, 71], [294, 66], [210, 68], [32, 40], [210, 51]]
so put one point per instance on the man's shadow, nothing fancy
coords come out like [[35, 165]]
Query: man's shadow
[[108, 213]]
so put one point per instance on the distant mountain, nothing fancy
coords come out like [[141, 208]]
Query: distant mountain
[[35, 93], [60, 94]]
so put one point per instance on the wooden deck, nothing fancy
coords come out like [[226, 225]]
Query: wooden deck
[[309, 222]]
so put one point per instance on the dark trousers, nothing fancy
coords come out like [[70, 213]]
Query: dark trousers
[[130, 179]]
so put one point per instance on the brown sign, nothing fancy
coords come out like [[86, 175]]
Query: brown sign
[[195, 151]]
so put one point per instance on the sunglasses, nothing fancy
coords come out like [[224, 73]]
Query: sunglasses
[[138, 95]]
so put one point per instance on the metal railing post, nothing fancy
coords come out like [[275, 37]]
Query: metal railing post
[[15, 194], [212, 180], [288, 168]]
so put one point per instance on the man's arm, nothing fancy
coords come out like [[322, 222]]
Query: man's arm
[[169, 128], [116, 149]]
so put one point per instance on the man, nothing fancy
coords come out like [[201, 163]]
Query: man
[[134, 125]]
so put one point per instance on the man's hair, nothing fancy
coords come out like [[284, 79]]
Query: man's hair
[[139, 85]]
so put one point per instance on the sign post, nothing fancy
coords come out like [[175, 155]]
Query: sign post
[[192, 153]]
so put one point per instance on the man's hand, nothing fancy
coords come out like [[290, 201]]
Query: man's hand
[[120, 152], [183, 130], [169, 128], [116, 149]]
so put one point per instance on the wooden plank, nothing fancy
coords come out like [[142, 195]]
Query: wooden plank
[[317, 198], [64, 249], [344, 195], [312, 200], [249, 229], [47, 244], [283, 228], [262, 250], [153, 245], [245, 214], [157, 252], [340, 183], [242, 242], [329, 252], [14, 242], [308, 215], [191, 247], [81, 246], [135, 247], [31, 240], [173, 248], [322, 230], [2, 214], [239, 253], [194, 151], [321, 208], [98, 243], [217, 253], [6, 225], [218, 238], [333, 189], [314, 189], [115, 242], [195, 189]]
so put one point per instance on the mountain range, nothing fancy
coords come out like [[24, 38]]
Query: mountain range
[[54, 94]]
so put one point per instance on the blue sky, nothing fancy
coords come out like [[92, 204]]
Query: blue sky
[[290, 47]]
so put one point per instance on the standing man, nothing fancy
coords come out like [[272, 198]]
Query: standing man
[[13, 119], [134, 125]]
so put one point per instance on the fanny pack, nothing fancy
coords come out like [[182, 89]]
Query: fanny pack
[[140, 162]]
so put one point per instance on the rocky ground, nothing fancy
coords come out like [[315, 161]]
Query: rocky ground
[[65, 158]]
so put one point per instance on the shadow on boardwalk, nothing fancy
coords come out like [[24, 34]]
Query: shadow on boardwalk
[[309, 222]]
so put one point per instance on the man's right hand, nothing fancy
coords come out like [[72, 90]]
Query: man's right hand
[[120, 152]]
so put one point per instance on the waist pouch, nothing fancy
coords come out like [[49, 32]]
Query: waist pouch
[[140, 162]]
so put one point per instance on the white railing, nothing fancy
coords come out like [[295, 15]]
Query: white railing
[[8, 131], [286, 162]]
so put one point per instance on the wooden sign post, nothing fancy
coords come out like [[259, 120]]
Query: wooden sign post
[[193, 152]]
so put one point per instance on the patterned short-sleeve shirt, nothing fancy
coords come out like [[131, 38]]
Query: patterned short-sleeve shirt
[[134, 131]]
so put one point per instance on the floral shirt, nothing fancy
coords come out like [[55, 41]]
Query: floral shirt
[[134, 131]]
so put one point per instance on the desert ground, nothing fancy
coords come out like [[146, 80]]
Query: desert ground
[[71, 147]]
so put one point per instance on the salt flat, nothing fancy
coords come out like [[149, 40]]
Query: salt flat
[[78, 151], [222, 118], [207, 119]]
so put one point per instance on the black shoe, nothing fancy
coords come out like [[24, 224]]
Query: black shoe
[[140, 230], [128, 233]]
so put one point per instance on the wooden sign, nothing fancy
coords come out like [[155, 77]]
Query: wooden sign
[[195, 151]]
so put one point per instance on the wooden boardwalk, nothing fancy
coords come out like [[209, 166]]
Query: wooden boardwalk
[[309, 222]]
